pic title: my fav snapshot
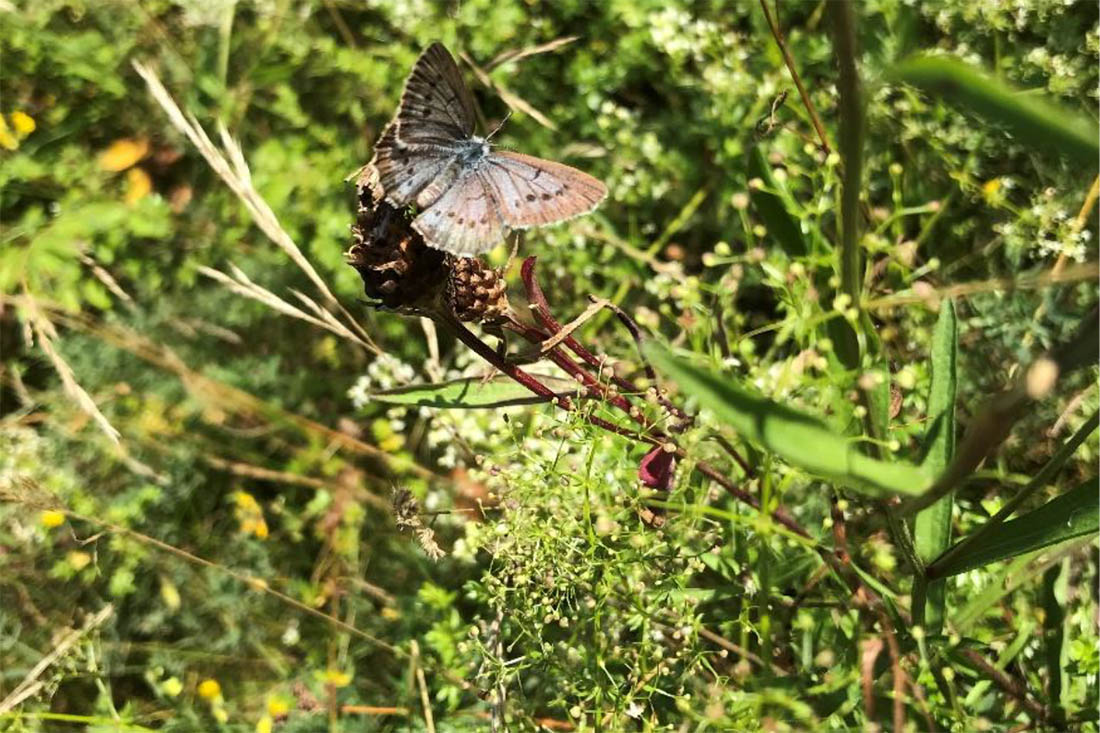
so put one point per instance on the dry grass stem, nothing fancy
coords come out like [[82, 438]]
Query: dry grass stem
[[242, 285], [1070, 274], [31, 684], [231, 167], [107, 279], [522, 53], [45, 333]]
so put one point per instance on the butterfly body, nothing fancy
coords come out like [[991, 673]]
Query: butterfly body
[[467, 195]]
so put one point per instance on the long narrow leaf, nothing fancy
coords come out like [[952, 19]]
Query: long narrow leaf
[[798, 438], [1074, 514], [1033, 120], [471, 392], [772, 210], [932, 527], [1056, 627]]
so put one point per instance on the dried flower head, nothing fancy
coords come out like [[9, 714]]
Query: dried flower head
[[406, 514], [397, 268]]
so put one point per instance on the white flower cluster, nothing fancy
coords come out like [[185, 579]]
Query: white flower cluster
[[385, 372], [675, 32], [1047, 228]]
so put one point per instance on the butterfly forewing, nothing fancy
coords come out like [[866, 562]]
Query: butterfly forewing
[[436, 107], [466, 220], [404, 170], [533, 191]]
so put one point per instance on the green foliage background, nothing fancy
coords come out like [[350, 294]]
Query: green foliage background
[[250, 440]]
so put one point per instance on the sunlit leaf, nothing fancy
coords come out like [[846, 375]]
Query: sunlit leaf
[[800, 439], [1034, 120], [472, 392]]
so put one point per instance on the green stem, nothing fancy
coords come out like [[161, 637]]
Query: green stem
[[850, 108]]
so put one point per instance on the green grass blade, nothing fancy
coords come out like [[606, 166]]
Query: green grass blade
[[1045, 475], [1056, 625], [771, 208], [932, 527], [800, 439], [1032, 120], [469, 393], [1006, 579], [1074, 514]]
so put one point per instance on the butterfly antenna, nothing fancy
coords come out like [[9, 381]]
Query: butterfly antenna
[[499, 125]]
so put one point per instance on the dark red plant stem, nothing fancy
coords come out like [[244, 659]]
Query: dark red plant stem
[[490, 355], [542, 311], [743, 496], [728, 447], [569, 366]]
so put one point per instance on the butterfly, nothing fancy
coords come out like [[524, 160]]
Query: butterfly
[[466, 194]]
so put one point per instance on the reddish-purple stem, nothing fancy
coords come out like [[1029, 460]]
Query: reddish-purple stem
[[497, 360], [546, 318]]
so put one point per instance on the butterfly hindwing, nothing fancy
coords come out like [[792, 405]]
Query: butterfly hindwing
[[533, 191], [466, 220]]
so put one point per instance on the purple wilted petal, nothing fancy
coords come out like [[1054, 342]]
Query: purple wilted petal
[[658, 469]]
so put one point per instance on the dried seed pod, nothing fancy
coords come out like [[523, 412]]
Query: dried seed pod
[[476, 292], [397, 268]]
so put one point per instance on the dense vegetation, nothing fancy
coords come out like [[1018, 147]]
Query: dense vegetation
[[829, 334]]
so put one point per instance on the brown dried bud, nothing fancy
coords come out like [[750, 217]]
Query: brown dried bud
[[397, 267], [476, 292]]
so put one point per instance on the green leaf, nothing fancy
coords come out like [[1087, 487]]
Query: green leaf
[[472, 392], [771, 209], [1033, 120], [932, 527], [1074, 514], [798, 438]]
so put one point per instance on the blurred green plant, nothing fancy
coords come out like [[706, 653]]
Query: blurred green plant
[[234, 561]]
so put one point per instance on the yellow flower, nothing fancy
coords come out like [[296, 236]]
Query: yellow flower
[[122, 154], [392, 444], [209, 689], [220, 715], [245, 500], [172, 687], [993, 192], [7, 140], [336, 678], [265, 724], [169, 594], [78, 560], [23, 123], [250, 515], [50, 518], [138, 185], [277, 706]]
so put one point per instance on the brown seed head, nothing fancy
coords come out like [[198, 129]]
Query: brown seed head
[[477, 292], [397, 268]]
